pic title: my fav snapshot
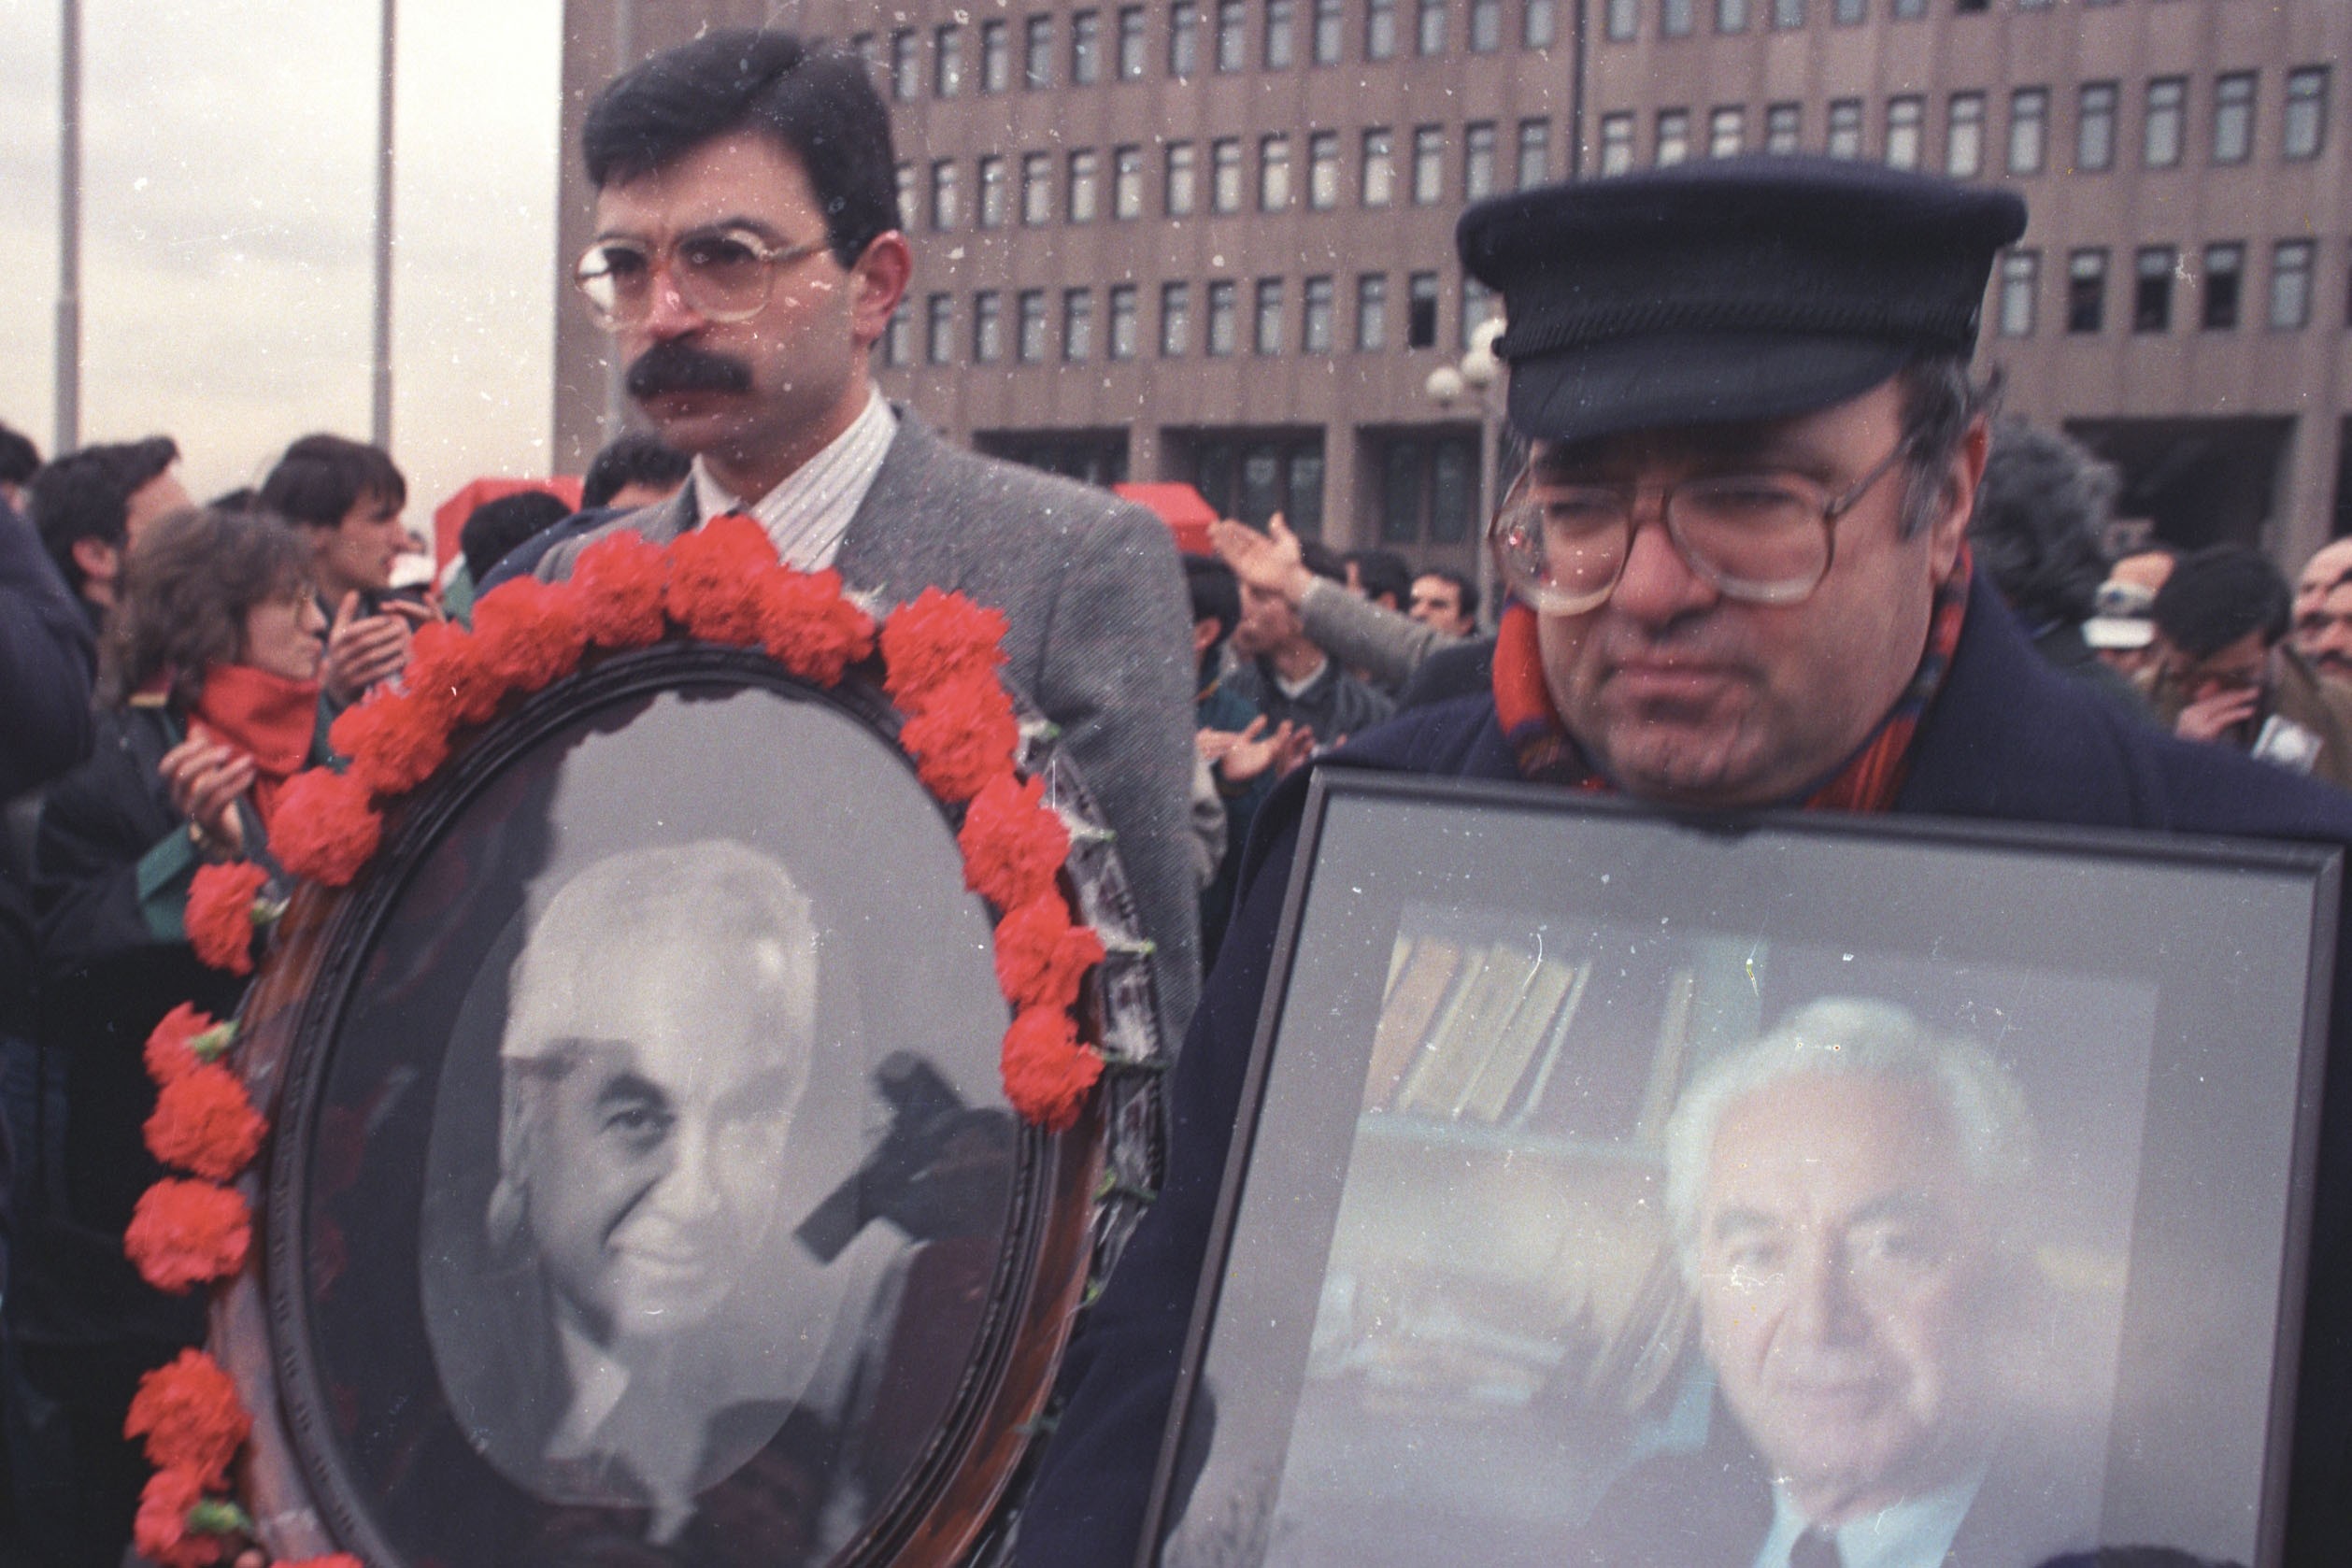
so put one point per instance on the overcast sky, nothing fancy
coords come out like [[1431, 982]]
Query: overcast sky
[[228, 212]]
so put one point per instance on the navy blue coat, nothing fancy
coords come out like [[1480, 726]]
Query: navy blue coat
[[2009, 739]]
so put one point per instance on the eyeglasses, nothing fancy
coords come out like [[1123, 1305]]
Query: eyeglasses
[[1764, 538], [723, 275]]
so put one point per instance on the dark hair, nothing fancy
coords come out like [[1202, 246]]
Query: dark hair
[[1322, 559], [1941, 401], [495, 527], [321, 477], [1382, 572], [813, 100], [86, 494], [245, 498], [18, 457], [1462, 586], [2218, 594], [639, 458], [1216, 595], [186, 588], [2036, 528]]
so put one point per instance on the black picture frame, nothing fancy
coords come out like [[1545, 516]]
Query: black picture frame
[[1454, 1309]]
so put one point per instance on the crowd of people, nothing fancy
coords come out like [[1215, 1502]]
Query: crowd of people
[[1797, 630]]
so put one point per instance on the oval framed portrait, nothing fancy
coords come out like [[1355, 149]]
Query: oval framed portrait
[[642, 1185]]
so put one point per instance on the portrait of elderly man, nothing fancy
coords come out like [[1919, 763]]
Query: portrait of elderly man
[[1848, 1197], [643, 1321]]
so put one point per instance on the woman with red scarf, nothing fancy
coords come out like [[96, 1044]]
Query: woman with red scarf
[[208, 680]]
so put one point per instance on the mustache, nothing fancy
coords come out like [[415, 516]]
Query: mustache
[[680, 367]]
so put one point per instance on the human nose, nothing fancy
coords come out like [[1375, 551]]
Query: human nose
[[1823, 1306], [669, 313], [1658, 582], [686, 1193]]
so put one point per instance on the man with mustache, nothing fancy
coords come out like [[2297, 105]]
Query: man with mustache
[[746, 259], [1740, 567]]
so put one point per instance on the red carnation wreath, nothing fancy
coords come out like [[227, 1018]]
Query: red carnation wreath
[[940, 654]]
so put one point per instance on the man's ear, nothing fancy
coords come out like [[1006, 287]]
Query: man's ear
[[99, 561], [1956, 498], [877, 283]]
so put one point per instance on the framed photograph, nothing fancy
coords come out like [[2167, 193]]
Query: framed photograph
[[642, 1186], [1615, 1189]]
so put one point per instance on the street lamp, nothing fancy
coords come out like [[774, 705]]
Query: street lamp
[[1471, 379]]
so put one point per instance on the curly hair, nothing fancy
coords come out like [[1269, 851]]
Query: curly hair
[[189, 583]]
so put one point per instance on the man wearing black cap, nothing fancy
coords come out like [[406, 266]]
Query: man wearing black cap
[[1739, 578]]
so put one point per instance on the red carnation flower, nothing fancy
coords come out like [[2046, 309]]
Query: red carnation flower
[[190, 1414], [809, 628], [450, 677], [961, 737], [219, 916], [1013, 843], [720, 573], [324, 827], [1041, 957], [936, 639], [188, 1233], [395, 741], [1047, 1074], [529, 633], [205, 1122], [168, 1526], [619, 580], [184, 1040]]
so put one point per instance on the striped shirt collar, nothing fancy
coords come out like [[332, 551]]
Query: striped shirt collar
[[810, 510]]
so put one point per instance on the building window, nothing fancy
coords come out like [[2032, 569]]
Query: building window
[[1539, 25], [1184, 39], [939, 327], [1486, 26], [2306, 128], [987, 327], [2233, 118], [910, 198], [1428, 164], [2168, 98], [1788, 13], [1029, 340], [1184, 178], [996, 57], [1281, 35], [1846, 128], [995, 191], [1243, 474], [1674, 136], [1077, 325], [2029, 129], [1372, 312], [1420, 310], [1479, 308], [947, 61], [1624, 20], [1223, 308], [1322, 170], [1121, 344], [2095, 128], [1964, 136], [907, 74], [1784, 127], [1274, 174], [1329, 39], [2085, 291], [1037, 53], [1477, 160], [1315, 318], [1849, 14], [2152, 268], [1904, 117], [1085, 49], [942, 194], [1379, 177], [869, 51], [1266, 335], [1730, 16], [2225, 286], [1727, 132], [1224, 179], [1617, 143], [1534, 165], [2020, 279], [1086, 184], [1429, 489], [1127, 182], [1176, 320], [1036, 188], [1909, 11], [898, 338], [1232, 35], [1429, 30], [1674, 18], [1131, 49], [2290, 284], [1379, 29]]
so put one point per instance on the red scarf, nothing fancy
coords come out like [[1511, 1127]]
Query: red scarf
[[1869, 781], [268, 718]]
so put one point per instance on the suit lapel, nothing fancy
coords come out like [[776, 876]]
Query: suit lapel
[[903, 536]]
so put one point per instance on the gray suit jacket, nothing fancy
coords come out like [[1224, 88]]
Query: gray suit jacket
[[1098, 641]]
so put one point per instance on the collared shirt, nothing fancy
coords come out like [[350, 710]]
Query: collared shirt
[[1915, 1532], [806, 514]]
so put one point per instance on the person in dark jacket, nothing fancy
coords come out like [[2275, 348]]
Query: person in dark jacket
[[1281, 671], [209, 678]]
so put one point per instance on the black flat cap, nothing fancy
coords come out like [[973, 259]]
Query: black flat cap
[[1728, 289]]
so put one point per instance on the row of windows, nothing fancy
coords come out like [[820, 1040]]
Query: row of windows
[[2162, 144], [1005, 186], [2159, 274], [1679, 19], [1223, 35], [990, 336]]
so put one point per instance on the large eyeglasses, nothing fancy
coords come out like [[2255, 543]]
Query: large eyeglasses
[[723, 275], [1764, 538]]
